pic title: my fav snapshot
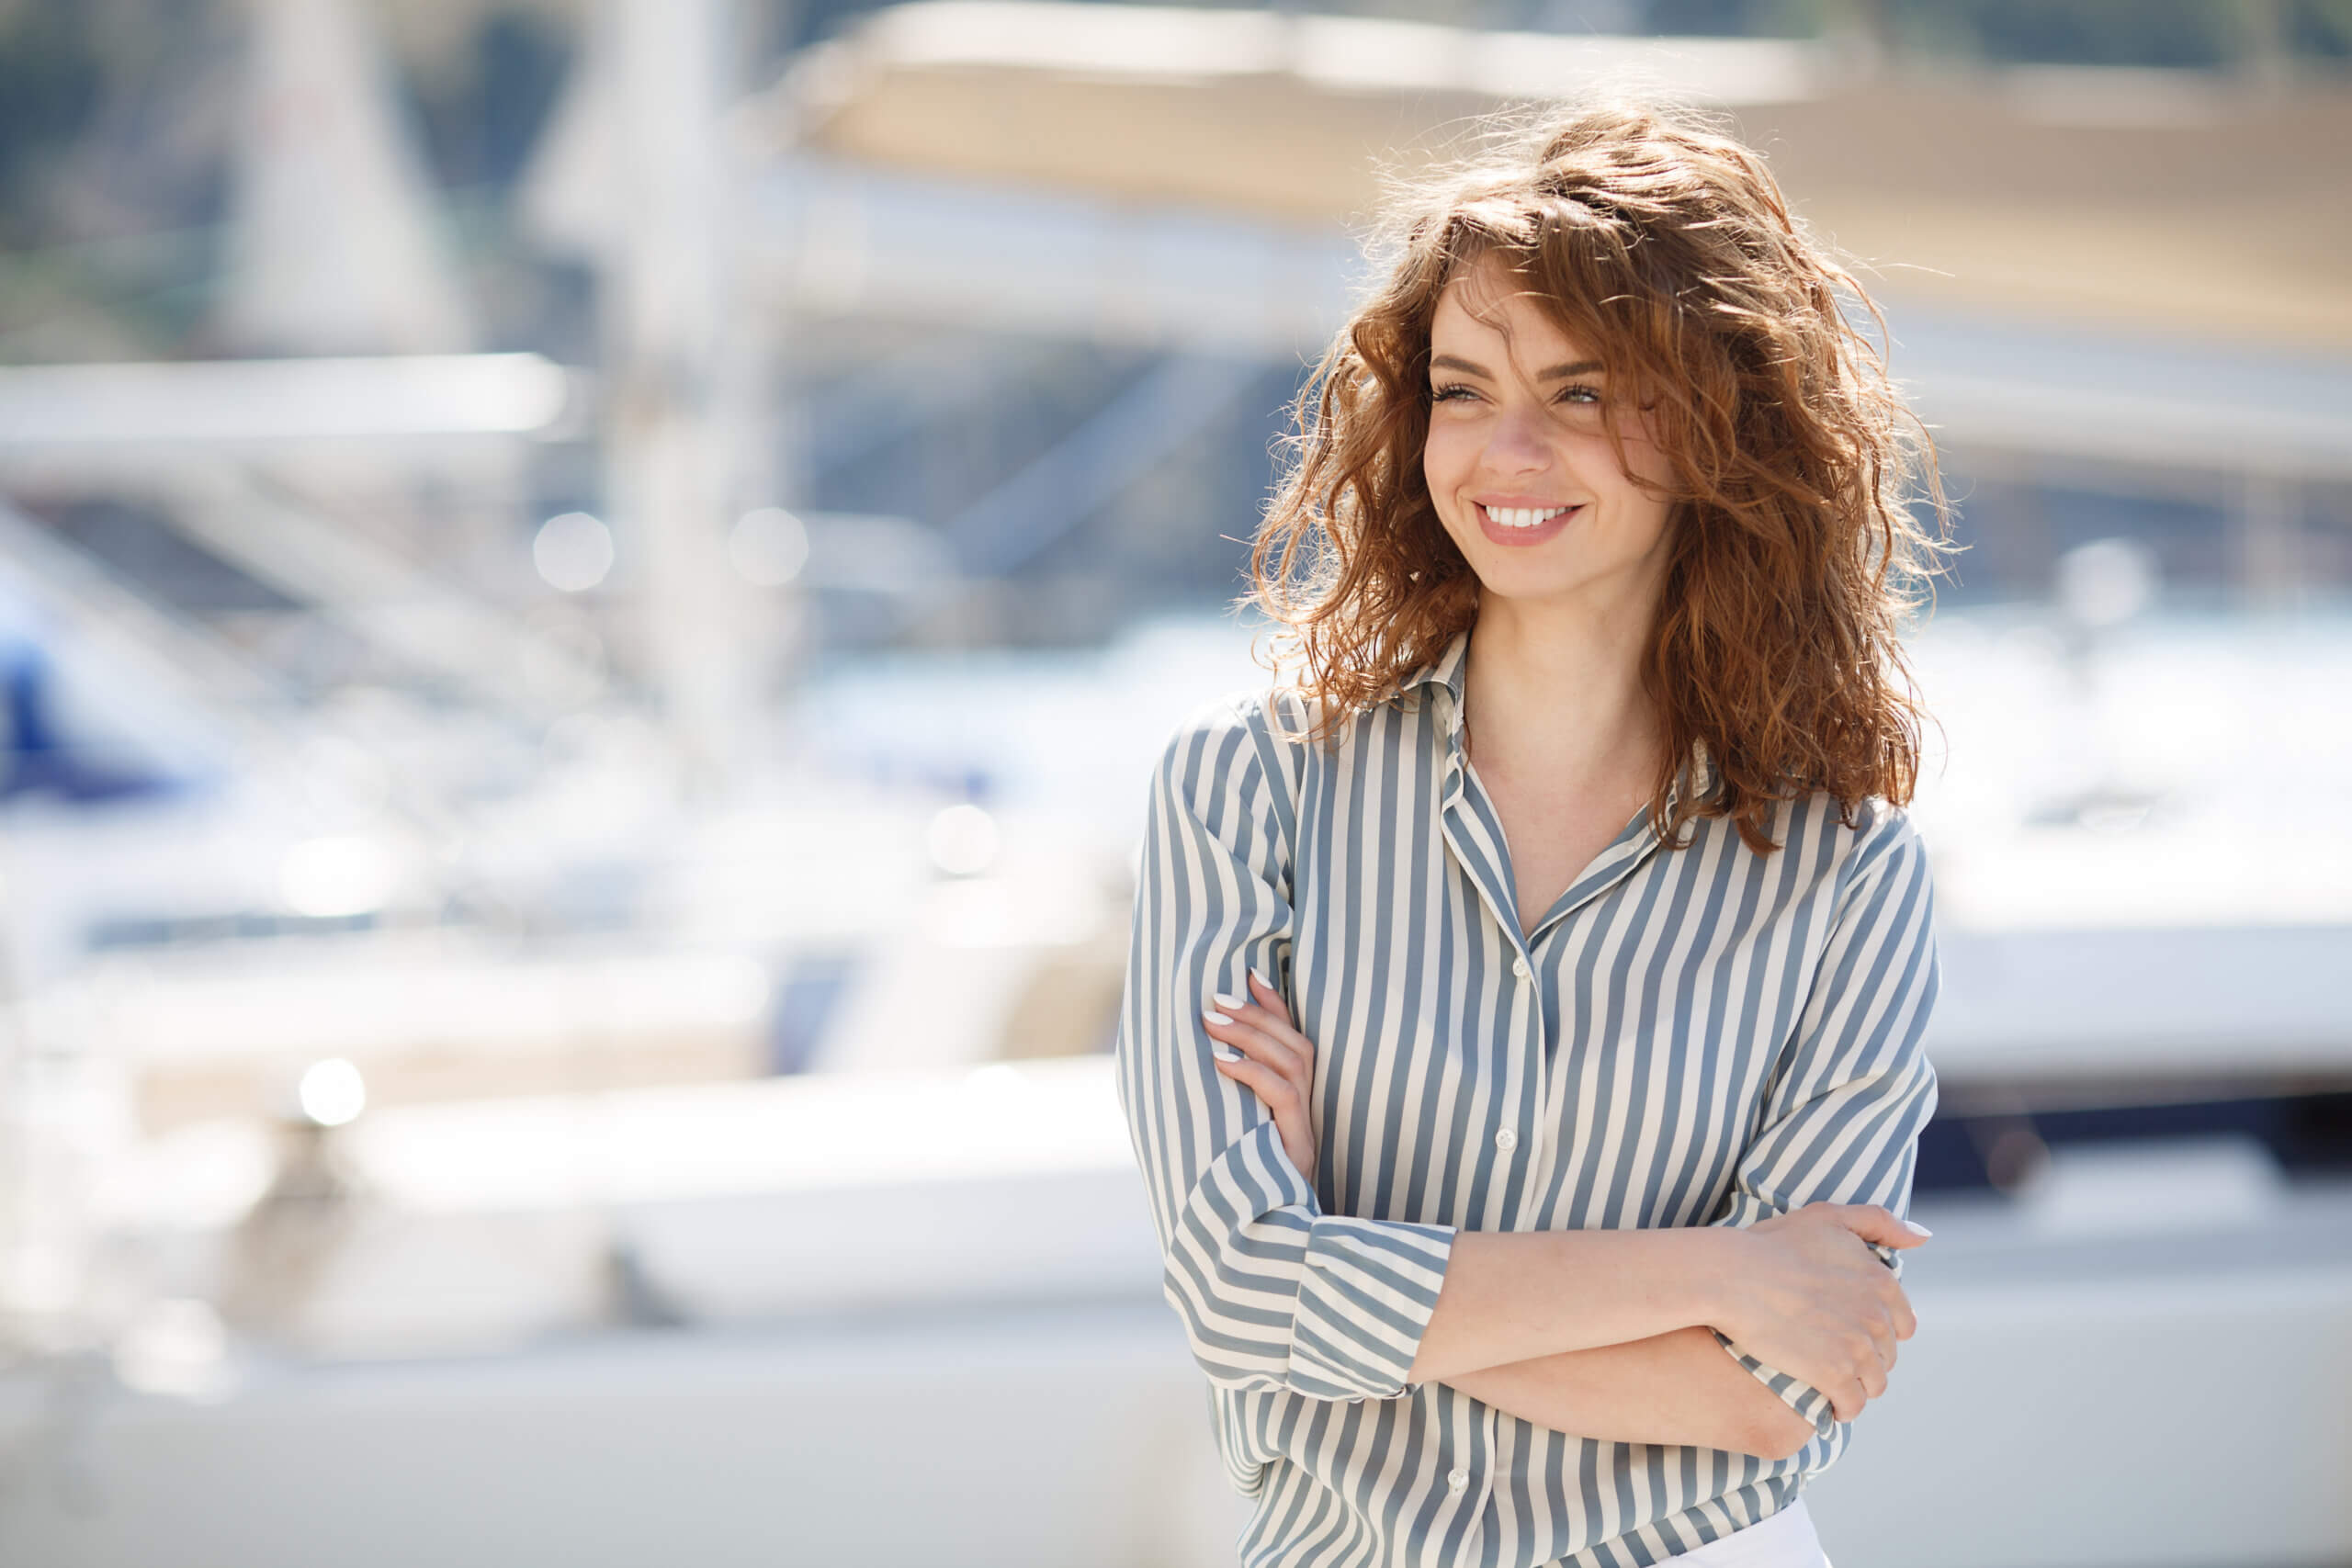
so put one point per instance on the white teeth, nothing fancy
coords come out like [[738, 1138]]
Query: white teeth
[[1523, 516]]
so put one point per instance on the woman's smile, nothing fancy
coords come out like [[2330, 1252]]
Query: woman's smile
[[1520, 525]]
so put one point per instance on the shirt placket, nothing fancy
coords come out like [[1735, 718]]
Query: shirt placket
[[1471, 1450], [1577, 909], [1488, 864], [1515, 1138], [1469, 1457]]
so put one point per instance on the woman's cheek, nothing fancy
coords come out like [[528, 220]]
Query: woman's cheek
[[1443, 471], [1646, 460], [1440, 457]]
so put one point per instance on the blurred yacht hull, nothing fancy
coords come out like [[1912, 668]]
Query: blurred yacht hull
[[919, 1322]]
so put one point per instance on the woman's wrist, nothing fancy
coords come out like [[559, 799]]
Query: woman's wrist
[[1713, 1262]]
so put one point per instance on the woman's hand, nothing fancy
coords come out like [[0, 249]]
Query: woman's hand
[[1273, 1060], [1811, 1299]]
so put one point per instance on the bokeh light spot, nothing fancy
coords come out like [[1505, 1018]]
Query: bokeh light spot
[[573, 551]]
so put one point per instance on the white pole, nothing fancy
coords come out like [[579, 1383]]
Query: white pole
[[674, 410], [2269, 542]]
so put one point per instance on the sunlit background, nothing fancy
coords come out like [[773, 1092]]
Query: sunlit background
[[588, 589]]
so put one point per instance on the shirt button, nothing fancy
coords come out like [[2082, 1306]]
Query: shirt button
[[1459, 1480], [1519, 967], [1506, 1140]]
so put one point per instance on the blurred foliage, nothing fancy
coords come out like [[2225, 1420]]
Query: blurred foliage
[[114, 122], [1737, 18], [135, 296], [49, 73], [480, 115], [2321, 29], [2181, 34]]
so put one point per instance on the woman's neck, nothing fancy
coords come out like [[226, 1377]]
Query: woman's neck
[[1560, 690]]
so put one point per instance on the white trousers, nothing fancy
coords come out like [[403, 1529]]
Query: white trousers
[[1785, 1540]]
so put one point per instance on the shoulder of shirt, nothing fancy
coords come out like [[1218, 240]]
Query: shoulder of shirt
[[1881, 823], [1226, 745], [1880, 830], [1278, 713]]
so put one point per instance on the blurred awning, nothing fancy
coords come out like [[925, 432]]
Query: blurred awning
[[1277, 114], [830, 237], [53, 415], [2179, 202]]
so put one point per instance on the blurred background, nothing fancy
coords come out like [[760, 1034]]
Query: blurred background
[[588, 589]]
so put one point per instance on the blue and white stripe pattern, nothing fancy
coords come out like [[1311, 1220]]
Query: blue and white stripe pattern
[[1687, 1037]]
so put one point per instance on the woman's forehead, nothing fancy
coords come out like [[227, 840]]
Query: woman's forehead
[[1486, 305]]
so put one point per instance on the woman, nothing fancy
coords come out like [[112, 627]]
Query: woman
[[1521, 1041]]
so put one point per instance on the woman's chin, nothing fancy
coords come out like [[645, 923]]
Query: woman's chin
[[1619, 596], [1534, 581]]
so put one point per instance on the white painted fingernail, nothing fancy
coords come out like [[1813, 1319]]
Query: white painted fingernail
[[1214, 1016], [1226, 1052], [1224, 1001], [1916, 1228]]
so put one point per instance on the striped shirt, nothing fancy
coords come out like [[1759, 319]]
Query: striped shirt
[[1701, 1036]]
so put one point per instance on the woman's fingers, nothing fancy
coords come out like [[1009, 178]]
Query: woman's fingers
[[1297, 1056], [1278, 1063], [1288, 1105], [1260, 1042], [1269, 998], [1280, 1094], [1875, 1225], [1297, 1078], [1881, 1333], [1261, 1006]]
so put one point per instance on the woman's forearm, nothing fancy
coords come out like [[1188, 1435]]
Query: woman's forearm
[[1677, 1388], [1513, 1296]]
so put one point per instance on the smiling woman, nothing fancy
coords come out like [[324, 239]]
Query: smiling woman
[[1521, 1035], [1641, 274]]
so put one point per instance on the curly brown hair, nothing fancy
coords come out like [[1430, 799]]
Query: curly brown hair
[[1665, 247]]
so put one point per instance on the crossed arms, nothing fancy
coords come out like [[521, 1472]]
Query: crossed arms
[[1612, 1333], [1619, 1335]]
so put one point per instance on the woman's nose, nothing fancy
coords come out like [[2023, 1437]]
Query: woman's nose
[[1517, 445]]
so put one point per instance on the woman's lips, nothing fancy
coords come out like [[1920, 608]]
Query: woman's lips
[[1506, 533]]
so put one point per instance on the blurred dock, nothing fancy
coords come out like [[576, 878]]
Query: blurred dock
[[887, 1318]]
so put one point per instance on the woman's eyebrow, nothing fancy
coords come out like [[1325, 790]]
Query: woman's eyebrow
[[1558, 372]]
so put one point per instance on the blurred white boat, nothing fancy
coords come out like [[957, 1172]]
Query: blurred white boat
[[894, 1318]]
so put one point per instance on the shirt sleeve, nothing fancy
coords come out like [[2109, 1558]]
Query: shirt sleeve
[[1843, 1114], [1274, 1293]]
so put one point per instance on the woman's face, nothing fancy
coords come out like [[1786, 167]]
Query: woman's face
[[1520, 461]]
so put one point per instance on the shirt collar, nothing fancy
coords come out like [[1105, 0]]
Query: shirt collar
[[1450, 670]]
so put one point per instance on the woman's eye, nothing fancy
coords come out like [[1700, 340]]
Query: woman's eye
[[1458, 392]]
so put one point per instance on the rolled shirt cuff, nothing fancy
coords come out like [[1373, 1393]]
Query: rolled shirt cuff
[[1364, 1299], [1801, 1397]]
